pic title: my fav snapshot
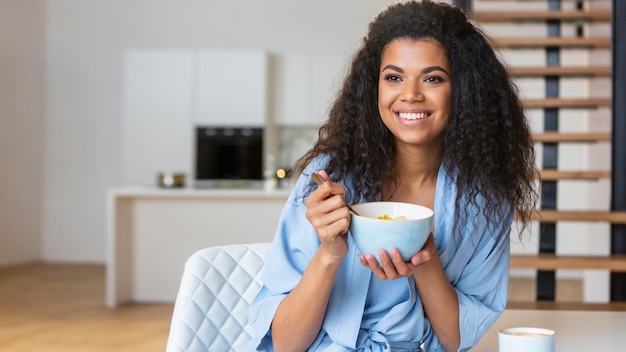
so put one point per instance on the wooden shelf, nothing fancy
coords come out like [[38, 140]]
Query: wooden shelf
[[554, 175], [544, 261], [576, 103], [590, 43], [557, 137], [547, 305], [613, 217], [562, 15], [561, 71]]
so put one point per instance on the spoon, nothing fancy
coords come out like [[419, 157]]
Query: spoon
[[317, 179]]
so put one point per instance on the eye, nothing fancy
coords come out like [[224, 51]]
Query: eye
[[393, 78], [433, 79]]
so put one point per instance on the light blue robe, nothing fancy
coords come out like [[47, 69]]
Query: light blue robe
[[366, 314]]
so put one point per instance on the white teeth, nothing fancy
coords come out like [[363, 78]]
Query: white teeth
[[413, 116]]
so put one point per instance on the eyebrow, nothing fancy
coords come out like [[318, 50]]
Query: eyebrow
[[428, 69]]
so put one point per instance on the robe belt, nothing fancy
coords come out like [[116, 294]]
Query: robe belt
[[374, 341]]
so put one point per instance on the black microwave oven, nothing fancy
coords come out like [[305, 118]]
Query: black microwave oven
[[228, 154]]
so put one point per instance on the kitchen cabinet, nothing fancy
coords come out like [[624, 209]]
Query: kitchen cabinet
[[169, 92], [305, 86], [230, 88], [157, 110]]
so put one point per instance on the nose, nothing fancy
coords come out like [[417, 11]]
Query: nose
[[412, 92]]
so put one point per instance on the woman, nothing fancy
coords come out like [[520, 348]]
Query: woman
[[427, 115]]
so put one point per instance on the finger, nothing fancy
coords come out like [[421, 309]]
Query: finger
[[362, 259], [320, 194], [421, 257], [326, 213], [426, 253], [328, 182], [325, 191], [324, 175], [331, 231], [387, 265], [320, 204], [400, 265], [374, 267]]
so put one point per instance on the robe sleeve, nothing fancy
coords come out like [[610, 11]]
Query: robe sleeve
[[292, 249], [475, 258], [482, 287], [294, 244]]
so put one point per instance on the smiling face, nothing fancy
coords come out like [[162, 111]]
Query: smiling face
[[414, 92]]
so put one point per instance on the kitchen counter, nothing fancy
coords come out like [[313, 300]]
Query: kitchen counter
[[152, 231], [576, 331], [191, 192]]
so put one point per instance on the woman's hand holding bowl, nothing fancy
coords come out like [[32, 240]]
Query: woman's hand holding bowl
[[393, 266]]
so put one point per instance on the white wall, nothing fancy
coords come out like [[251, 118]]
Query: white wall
[[59, 155], [21, 129], [86, 45]]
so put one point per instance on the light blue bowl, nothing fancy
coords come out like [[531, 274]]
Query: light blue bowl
[[408, 236]]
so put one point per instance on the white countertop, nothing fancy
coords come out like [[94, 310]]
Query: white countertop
[[191, 192], [576, 331], [151, 231]]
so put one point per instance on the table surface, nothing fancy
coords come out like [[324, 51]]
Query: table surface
[[576, 331]]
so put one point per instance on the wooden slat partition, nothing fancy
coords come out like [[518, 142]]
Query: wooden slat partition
[[577, 103], [613, 217], [553, 44], [554, 175], [545, 261], [574, 42], [557, 137], [562, 15], [562, 71]]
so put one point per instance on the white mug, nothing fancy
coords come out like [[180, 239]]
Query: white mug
[[525, 339]]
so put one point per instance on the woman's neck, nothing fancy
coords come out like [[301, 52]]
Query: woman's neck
[[417, 171], [418, 166]]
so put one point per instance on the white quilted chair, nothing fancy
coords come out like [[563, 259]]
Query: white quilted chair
[[211, 308]]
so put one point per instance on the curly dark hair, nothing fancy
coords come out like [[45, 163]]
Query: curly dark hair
[[487, 143]]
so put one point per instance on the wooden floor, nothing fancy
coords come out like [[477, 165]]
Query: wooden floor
[[55, 307], [61, 308]]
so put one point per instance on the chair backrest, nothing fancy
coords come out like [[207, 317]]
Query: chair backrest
[[216, 289]]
